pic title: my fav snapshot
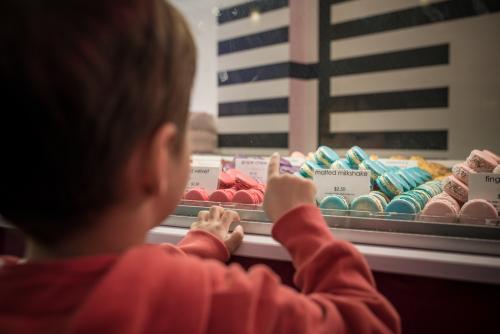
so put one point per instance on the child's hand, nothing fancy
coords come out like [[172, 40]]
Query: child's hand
[[217, 221], [285, 192]]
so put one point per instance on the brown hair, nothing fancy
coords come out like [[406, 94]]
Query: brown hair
[[82, 82]]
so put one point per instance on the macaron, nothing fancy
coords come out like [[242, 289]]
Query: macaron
[[334, 202], [340, 164], [456, 189], [374, 168], [481, 162], [384, 200], [243, 181], [444, 196], [403, 204], [367, 203], [439, 210], [355, 155], [226, 180], [389, 185], [476, 211], [493, 155], [196, 194], [407, 177], [462, 171], [381, 165], [249, 196], [405, 185], [325, 156], [419, 178], [307, 169], [222, 195]]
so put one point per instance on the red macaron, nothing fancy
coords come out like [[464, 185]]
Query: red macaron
[[196, 194]]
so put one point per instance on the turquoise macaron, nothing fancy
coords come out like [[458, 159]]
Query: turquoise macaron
[[402, 181], [381, 197], [307, 169], [325, 156], [381, 165], [408, 179], [374, 168], [355, 155], [402, 205], [334, 202], [341, 164], [367, 203], [389, 185]]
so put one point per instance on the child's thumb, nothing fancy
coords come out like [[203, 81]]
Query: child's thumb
[[235, 239]]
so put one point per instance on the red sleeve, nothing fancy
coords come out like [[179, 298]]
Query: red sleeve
[[204, 245], [337, 289]]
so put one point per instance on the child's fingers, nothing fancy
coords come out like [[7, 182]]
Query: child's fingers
[[215, 212], [274, 166], [203, 215], [234, 240], [228, 217]]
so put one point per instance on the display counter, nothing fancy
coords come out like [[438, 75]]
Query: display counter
[[451, 251]]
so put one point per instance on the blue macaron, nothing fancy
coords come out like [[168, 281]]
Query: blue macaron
[[367, 203], [389, 185], [355, 155], [373, 167], [325, 156], [307, 169], [402, 205], [334, 202], [340, 164]]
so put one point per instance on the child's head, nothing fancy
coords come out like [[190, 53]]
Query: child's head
[[93, 93]]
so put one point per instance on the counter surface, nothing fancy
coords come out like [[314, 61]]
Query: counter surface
[[438, 264]]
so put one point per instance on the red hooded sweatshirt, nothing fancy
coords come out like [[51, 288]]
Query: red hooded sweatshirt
[[187, 289]]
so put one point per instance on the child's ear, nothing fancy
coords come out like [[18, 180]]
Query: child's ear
[[159, 155]]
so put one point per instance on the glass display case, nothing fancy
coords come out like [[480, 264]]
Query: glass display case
[[411, 84]]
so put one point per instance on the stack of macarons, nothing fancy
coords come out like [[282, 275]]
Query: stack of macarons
[[441, 208], [413, 201], [457, 185], [234, 187], [398, 181]]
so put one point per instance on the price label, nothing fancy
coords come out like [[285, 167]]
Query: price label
[[485, 186], [206, 160], [348, 183], [399, 163], [253, 167], [206, 177]]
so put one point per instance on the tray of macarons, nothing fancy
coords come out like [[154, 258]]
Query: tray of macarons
[[401, 200]]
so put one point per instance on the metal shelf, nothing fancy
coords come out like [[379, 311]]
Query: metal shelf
[[363, 228]]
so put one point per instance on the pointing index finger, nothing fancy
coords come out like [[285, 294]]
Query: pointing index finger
[[274, 166]]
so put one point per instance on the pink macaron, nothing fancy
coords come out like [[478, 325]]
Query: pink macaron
[[196, 194], [226, 180], [245, 197], [245, 182], [493, 155], [456, 189], [439, 210], [222, 195], [449, 199], [481, 162], [462, 171], [476, 211]]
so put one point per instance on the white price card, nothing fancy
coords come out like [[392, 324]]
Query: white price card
[[485, 186], [399, 163], [206, 177], [206, 160], [348, 183], [253, 167]]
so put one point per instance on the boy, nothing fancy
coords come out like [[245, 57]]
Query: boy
[[94, 155]]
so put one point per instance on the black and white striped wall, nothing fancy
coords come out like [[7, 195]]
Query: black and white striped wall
[[392, 76], [258, 70], [409, 76]]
